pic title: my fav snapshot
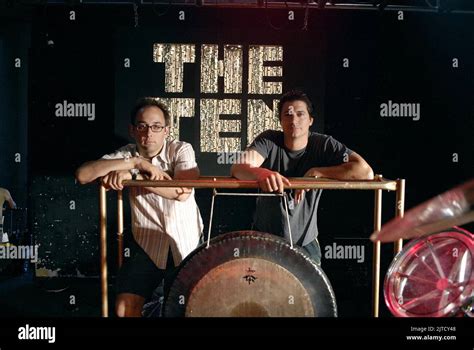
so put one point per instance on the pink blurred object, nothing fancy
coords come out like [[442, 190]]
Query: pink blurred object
[[432, 276], [446, 210]]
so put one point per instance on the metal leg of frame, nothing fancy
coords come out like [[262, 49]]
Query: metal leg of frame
[[399, 211], [103, 250], [214, 194], [120, 227], [376, 255]]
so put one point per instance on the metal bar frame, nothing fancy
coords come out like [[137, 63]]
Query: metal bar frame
[[214, 182], [376, 253], [103, 250], [400, 210]]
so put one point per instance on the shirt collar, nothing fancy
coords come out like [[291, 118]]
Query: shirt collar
[[163, 155]]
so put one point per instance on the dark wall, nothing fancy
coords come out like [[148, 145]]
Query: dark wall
[[14, 60], [407, 61]]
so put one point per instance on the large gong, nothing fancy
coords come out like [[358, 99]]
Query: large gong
[[250, 274]]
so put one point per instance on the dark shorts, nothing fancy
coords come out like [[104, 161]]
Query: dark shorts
[[139, 274], [314, 251]]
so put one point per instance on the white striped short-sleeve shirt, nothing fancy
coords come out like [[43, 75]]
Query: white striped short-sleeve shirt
[[160, 224]]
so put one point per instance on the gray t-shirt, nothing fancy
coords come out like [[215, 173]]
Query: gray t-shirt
[[321, 151]]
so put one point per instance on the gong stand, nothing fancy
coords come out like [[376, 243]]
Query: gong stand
[[377, 185]]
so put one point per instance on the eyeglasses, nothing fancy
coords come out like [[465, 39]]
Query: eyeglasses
[[154, 127]]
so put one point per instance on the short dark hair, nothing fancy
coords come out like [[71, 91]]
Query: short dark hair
[[295, 95], [149, 102]]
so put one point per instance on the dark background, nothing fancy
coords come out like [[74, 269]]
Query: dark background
[[407, 61]]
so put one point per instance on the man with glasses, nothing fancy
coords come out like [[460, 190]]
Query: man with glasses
[[166, 223]]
